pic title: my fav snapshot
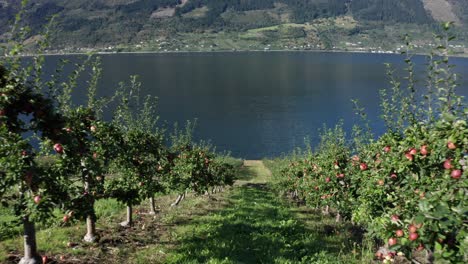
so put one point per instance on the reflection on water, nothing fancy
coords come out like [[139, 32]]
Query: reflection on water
[[258, 104]]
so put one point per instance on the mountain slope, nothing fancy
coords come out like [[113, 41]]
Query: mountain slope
[[99, 23], [442, 10]]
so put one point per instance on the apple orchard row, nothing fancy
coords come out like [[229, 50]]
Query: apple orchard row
[[408, 187], [57, 156]]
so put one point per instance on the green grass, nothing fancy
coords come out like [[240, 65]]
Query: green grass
[[197, 12], [108, 208], [258, 227], [248, 223], [7, 227], [253, 172], [277, 27], [53, 241]]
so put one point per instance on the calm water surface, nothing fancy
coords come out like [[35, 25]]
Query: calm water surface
[[260, 104]]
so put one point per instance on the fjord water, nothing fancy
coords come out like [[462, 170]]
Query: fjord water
[[258, 104]]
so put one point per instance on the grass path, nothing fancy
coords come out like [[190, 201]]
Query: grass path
[[257, 227]]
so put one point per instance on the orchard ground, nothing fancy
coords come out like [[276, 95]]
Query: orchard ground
[[247, 223]]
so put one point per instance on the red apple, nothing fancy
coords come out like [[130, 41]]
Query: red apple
[[95, 155], [58, 148], [451, 145], [413, 236], [141, 184], [413, 151], [66, 218], [363, 166], [456, 174], [68, 130], [92, 128], [448, 164], [387, 149], [37, 199], [409, 156], [379, 255], [393, 176], [355, 158], [340, 176], [327, 179], [381, 182], [392, 241], [424, 150], [316, 188], [44, 259], [395, 218], [2, 112], [399, 233], [62, 258], [412, 229]]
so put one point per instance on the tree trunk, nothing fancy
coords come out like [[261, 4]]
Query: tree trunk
[[129, 221], [30, 249], [326, 210], [90, 220], [90, 236], [338, 218], [152, 206], [177, 201]]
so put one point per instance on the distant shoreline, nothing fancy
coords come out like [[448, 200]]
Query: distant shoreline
[[464, 56]]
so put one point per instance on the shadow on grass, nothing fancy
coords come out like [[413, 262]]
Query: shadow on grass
[[257, 228], [246, 174]]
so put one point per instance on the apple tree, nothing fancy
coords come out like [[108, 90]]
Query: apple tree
[[32, 191], [137, 171], [87, 148]]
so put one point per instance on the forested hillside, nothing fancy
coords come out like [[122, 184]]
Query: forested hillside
[[461, 9], [317, 23]]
